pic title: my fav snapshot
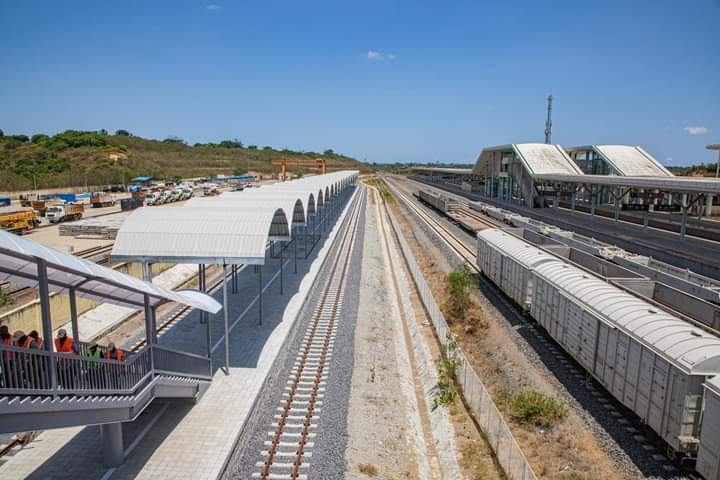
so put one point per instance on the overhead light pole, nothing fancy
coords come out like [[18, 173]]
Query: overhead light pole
[[716, 147]]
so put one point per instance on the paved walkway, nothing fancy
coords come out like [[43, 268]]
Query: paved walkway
[[195, 442]]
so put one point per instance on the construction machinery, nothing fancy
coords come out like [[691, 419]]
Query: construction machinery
[[318, 163], [18, 219]]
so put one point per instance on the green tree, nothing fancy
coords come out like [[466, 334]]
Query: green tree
[[38, 137], [2, 134], [123, 133]]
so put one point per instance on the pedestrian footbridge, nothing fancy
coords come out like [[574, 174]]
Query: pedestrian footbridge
[[42, 389]]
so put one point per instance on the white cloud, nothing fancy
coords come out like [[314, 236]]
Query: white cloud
[[696, 130], [373, 55], [213, 7]]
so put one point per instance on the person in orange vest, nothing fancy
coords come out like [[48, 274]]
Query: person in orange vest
[[66, 372], [112, 353], [65, 344], [36, 337]]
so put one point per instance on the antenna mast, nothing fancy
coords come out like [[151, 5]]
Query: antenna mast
[[548, 123]]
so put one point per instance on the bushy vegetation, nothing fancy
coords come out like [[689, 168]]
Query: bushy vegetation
[[701, 169], [457, 286], [76, 158], [537, 409]]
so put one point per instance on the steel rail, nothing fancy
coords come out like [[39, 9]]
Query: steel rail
[[310, 370]]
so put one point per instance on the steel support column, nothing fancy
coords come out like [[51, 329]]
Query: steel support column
[[205, 316], [73, 315], [225, 316], [282, 286], [149, 323], [46, 319], [112, 440], [260, 304]]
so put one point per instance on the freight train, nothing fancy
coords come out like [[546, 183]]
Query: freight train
[[660, 367]]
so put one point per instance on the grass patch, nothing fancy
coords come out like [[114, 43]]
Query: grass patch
[[457, 286], [448, 366], [537, 409], [367, 469]]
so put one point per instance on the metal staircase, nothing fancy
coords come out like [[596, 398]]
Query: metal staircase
[[41, 390]]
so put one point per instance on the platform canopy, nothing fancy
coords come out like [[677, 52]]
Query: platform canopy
[[627, 160], [232, 228], [20, 259], [536, 158]]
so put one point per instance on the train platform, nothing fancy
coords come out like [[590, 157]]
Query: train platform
[[176, 440]]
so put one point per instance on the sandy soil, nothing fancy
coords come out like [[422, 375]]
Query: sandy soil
[[381, 441]]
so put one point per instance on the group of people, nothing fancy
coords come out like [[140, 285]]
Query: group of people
[[23, 371]]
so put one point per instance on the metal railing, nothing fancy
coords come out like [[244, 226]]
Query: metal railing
[[482, 407], [38, 372], [169, 361]]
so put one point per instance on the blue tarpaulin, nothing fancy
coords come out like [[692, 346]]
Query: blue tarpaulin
[[142, 179]]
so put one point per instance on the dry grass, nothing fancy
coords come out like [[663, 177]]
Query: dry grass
[[367, 469]]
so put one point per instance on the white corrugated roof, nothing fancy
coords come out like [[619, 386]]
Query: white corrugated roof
[[18, 265], [293, 208], [682, 344], [540, 159], [230, 228], [522, 252], [632, 161]]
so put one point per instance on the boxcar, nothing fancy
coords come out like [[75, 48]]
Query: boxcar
[[508, 261], [656, 364], [651, 361]]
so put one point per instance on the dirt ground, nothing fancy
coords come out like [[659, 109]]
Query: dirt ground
[[381, 437], [568, 450]]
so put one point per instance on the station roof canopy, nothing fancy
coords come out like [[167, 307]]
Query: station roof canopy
[[666, 184], [626, 160], [536, 158], [233, 228], [19, 258]]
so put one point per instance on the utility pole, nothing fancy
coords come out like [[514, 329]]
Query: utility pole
[[548, 123]]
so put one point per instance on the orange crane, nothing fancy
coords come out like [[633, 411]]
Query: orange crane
[[318, 163]]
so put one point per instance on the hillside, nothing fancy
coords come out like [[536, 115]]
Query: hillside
[[75, 158]]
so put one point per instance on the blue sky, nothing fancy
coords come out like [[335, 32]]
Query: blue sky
[[383, 80]]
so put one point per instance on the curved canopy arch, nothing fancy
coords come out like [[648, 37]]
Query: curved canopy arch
[[200, 235], [293, 207]]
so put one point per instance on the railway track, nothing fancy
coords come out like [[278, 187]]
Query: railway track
[[460, 248], [292, 435], [635, 442]]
